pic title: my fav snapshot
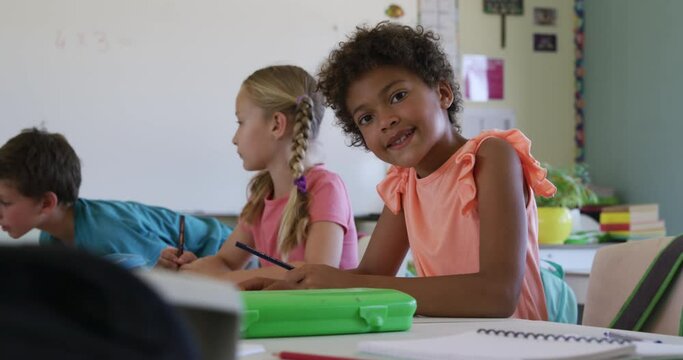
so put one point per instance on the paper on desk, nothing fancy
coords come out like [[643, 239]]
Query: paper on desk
[[244, 349], [480, 346], [649, 350]]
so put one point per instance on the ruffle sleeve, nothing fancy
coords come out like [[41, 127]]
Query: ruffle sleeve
[[534, 174], [392, 188], [467, 188]]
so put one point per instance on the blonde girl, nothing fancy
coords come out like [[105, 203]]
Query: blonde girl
[[297, 211]]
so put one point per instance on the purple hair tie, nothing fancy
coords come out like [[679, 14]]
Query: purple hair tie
[[300, 183], [301, 98]]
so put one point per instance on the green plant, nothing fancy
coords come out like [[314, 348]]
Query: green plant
[[572, 188]]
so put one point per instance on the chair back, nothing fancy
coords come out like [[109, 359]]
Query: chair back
[[617, 270]]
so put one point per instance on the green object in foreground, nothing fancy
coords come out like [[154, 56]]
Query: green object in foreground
[[584, 238], [577, 239], [280, 313]]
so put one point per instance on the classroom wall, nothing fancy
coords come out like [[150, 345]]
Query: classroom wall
[[539, 86], [145, 90], [633, 101]]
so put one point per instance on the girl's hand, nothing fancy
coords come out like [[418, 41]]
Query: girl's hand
[[169, 260], [309, 276], [186, 258]]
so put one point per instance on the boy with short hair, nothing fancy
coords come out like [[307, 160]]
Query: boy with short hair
[[40, 175]]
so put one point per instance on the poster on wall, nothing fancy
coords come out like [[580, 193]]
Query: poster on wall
[[482, 77]]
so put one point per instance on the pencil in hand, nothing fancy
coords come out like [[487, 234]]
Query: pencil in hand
[[263, 256], [181, 237]]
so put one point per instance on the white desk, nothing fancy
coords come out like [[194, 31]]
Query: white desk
[[345, 345], [30, 238]]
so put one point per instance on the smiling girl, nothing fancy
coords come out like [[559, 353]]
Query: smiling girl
[[464, 207]]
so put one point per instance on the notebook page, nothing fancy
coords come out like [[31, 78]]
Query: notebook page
[[649, 350], [477, 346]]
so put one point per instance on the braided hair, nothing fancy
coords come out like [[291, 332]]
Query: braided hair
[[292, 91]]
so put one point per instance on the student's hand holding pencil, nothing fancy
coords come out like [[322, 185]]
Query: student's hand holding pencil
[[174, 257], [169, 258], [308, 276]]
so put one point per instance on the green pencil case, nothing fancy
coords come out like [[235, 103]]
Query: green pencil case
[[325, 312]]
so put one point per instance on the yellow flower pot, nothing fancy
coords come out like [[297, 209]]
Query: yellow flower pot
[[554, 225]]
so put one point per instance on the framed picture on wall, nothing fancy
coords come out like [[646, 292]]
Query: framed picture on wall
[[507, 7], [545, 16], [503, 8], [545, 42]]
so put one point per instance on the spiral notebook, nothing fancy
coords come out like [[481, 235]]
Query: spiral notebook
[[489, 344]]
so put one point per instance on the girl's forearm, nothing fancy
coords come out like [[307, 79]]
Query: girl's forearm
[[452, 296], [273, 272], [208, 265]]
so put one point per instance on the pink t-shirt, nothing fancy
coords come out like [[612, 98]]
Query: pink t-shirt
[[448, 197], [329, 201]]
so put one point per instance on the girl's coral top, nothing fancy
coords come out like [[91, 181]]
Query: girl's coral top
[[442, 217]]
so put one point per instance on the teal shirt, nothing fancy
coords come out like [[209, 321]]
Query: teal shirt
[[105, 227]]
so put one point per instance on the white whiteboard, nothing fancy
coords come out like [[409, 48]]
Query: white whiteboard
[[144, 89]]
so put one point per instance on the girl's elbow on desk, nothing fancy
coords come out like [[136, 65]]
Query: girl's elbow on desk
[[502, 307], [499, 299], [478, 300]]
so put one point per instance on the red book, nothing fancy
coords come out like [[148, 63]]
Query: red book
[[653, 225]]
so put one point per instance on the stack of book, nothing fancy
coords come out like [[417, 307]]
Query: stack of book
[[629, 222]]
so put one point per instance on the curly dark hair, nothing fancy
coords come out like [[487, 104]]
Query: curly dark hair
[[387, 43], [36, 161]]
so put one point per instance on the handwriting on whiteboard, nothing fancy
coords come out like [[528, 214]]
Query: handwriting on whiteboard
[[97, 41]]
